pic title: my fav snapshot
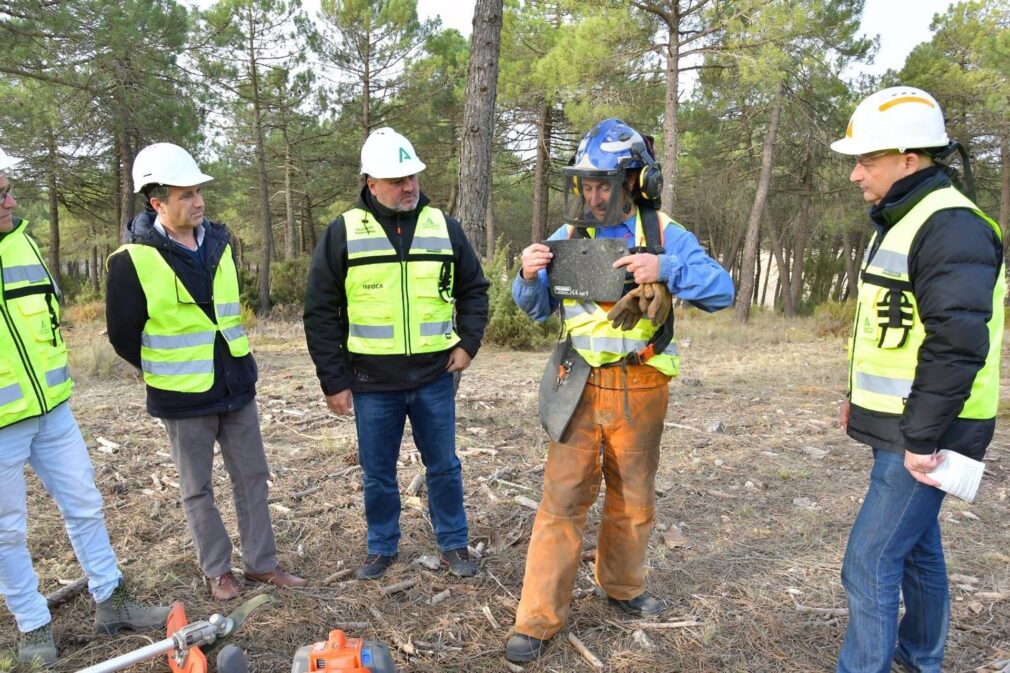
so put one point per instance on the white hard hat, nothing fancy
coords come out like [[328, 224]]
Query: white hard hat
[[7, 161], [166, 164], [387, 154], [901, 117]]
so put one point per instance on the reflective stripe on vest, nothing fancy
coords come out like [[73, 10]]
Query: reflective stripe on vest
[[30, 273], [888, 330], [11, 393], [394, 306], [34, 376], [599, 342], [177, 342]]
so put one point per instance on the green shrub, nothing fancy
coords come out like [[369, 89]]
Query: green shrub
[[288, 280], [507, 324], [249, 284], [834, 318]]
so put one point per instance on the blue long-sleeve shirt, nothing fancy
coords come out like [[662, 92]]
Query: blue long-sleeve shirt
[[687, 270]]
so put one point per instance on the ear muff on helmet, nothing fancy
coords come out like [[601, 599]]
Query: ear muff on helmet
[[650, 178]]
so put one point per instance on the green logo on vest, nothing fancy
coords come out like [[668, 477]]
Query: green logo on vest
[[404, 155]]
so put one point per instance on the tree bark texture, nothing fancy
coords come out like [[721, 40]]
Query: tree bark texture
[[541, 188], [261, 170], [1004, 192], [746, 289], [671, 108], [474, 182], [54, 209]]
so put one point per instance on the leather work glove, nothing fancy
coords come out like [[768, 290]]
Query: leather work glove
[[627, 311], [660, 302], [652, 300]]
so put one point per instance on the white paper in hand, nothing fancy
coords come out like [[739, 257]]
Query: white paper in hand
[[958, 475]]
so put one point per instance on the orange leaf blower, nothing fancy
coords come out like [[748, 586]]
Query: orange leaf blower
[[341, 654]]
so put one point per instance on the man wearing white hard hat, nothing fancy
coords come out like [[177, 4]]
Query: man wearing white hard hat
[[38, 428], [173, 311], [923, 374], [380, 325]]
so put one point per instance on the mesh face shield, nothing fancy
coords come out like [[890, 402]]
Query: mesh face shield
[[593, 197]]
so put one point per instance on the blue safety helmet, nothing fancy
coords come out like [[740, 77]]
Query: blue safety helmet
[[604, 158]]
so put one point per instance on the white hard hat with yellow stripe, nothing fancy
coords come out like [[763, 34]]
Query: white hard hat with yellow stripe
[[900, 117]]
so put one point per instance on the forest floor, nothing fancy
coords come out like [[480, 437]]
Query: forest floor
[[756, 492]]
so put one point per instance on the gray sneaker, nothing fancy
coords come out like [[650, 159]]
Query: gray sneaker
[[38, 645], [122, 611]]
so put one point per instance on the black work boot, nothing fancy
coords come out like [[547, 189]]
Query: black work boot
[[459, 562], [521, 649], [375, 565], [122, 611], [38, 645], [641, 606]]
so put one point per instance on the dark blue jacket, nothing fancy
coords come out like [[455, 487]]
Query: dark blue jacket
[[126, 313], [953, 263]]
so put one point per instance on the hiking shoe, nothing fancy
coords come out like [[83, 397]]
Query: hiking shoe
[[224, 587], [38, 646], [279, 577], [375, 565], [122, 611], [459, 562], [521, 649], [641, 606]]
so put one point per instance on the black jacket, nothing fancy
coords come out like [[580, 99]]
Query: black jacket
[[326, 315], [126, 313], [953, 263]]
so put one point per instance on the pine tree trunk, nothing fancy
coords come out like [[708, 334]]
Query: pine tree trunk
[[1004, 192], [54, 210], [261, 174], [670, 110], [800, 244], [474, 183], [746, 290], [289, 202], [541, 189]]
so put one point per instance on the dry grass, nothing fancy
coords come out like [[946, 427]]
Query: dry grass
[[750, 552]]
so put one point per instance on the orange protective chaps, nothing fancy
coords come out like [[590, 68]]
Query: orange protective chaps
[[630, 457]]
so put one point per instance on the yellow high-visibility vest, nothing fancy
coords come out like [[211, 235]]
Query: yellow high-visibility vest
[[399, 307], [177, 344], [34, 376], [888, 330], [599, 342]]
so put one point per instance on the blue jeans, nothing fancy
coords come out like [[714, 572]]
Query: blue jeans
[[53, 446], [380, 418], [895, 544]]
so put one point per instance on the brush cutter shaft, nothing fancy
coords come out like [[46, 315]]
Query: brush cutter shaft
[[130, 658], [191, 635]]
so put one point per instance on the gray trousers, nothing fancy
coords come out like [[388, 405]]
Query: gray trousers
[[238, 433]]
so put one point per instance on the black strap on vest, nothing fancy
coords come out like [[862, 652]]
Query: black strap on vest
[[662, 337], [884, 281]]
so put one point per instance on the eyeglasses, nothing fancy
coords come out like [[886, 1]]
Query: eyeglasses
[[5, 193], [867, 159]]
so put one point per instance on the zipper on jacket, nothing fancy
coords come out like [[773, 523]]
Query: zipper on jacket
[[23, 354], [852, 349], [403, 287]]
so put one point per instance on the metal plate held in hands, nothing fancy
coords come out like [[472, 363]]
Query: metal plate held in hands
[[582, 268]]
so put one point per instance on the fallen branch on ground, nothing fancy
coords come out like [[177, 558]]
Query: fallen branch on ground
[[63, 594]]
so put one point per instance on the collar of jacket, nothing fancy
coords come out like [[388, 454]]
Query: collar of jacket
[[906, 193], [142, 231], [17, 223]]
